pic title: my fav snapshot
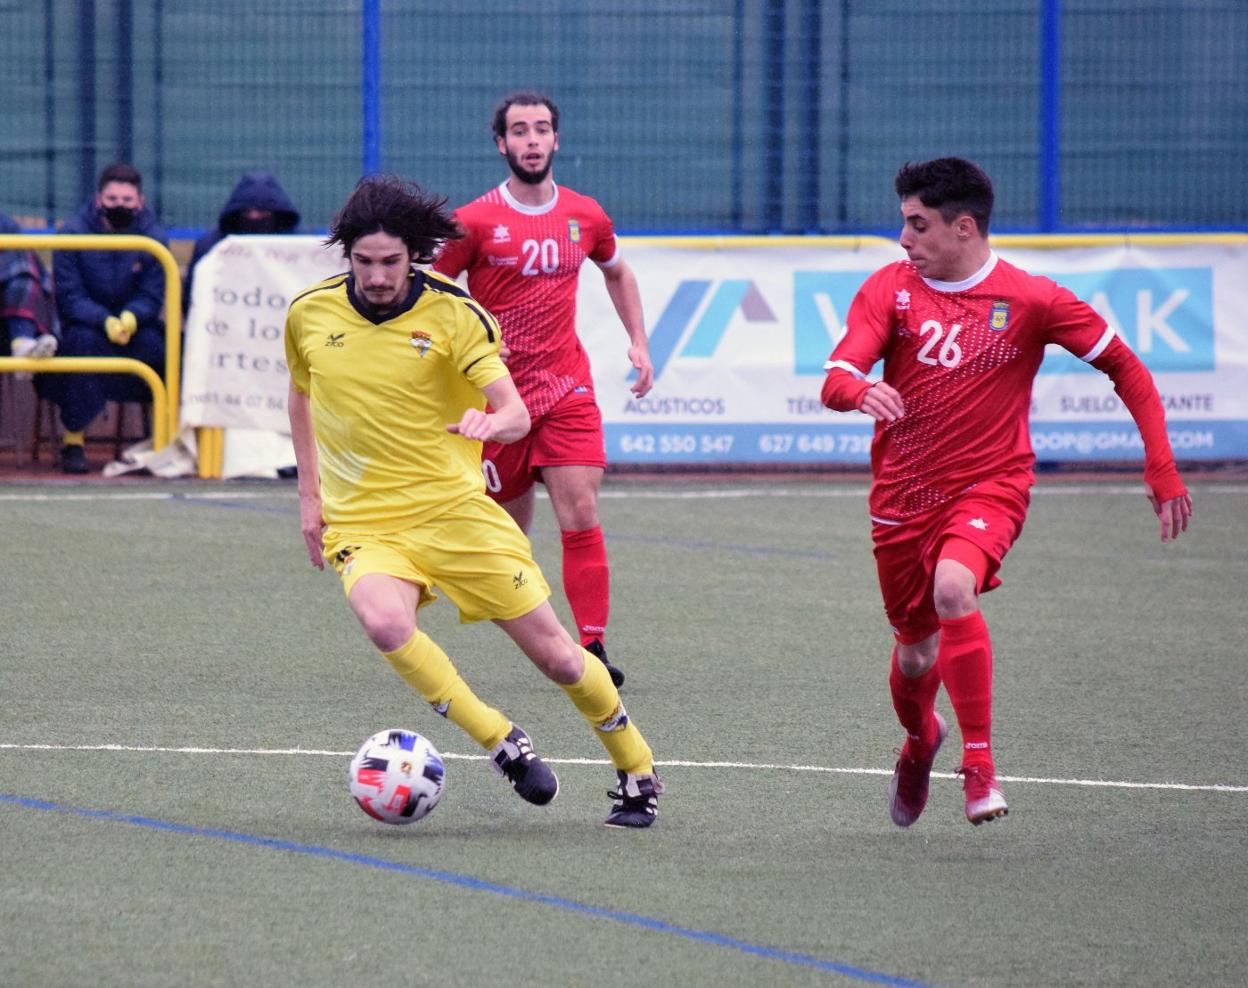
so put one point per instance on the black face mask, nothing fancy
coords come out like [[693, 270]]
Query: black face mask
[[263, 224], [119, 217]]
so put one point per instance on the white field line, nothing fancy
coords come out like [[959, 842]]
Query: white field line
[[821, 769], [835, 490]]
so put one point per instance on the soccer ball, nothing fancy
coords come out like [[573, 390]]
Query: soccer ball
[[396, 776]]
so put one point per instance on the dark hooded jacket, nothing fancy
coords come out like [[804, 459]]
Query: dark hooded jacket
[[92, 285], [255, 190]]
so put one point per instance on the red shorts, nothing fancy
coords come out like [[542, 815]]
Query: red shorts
[[570, 434], [990, 516]]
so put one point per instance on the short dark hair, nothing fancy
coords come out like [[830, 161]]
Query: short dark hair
[[119, 171], [389, 204], [950, 185], [523, 97]]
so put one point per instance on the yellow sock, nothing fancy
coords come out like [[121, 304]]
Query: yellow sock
[[430, 672], [596, 697], [73, 439]]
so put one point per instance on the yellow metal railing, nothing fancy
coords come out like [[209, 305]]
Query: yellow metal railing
[[210, 450], [104, 365], [164, 411]]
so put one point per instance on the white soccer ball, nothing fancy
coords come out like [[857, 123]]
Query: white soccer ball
[[397, 776]]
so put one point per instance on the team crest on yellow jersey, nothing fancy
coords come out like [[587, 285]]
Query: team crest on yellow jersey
[[421, 341], [574, 231], [1000, 316]]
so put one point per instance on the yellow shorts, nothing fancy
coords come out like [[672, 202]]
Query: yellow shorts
[[474, 553]]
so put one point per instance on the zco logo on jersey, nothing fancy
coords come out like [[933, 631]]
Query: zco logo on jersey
[[335, 340], [1000, 316]]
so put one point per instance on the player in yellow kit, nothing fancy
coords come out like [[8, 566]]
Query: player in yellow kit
[[391, 368]]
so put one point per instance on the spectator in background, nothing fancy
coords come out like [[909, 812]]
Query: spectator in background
[[110, 304], [27, 317], [258, 204]]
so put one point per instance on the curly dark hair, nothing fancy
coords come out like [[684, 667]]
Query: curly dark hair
[[950, 185], [523, 97], [389, 204]]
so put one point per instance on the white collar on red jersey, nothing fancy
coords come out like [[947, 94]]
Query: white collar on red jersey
[[965, 283], [528, 210]]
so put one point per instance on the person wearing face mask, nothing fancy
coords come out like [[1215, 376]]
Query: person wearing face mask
[[258, 204], [111, 304]]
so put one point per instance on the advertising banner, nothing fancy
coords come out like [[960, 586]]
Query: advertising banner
[[740, 329]]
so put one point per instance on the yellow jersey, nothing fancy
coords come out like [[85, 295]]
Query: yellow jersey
[[382, 391]]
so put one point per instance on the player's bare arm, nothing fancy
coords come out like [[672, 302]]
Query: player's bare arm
[[1173, 514], [882, 402], [508, 421], [626, 297], [311, 519]]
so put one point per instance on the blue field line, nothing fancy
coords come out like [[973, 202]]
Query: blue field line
[[474, 884]]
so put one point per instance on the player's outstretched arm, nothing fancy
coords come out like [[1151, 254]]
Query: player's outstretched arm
[[1173, 513], [1162, 483], [505, 423], [626, 297], [302, 437]]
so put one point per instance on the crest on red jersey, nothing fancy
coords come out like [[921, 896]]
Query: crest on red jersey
[[574, 231], [1000, 316]]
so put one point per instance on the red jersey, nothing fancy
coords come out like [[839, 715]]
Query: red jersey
[[963, 357], [523, 263]]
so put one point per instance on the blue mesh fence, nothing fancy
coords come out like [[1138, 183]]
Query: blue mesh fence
[[680, 115]]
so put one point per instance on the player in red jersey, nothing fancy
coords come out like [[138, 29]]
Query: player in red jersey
[[523, 247], [962, 334]]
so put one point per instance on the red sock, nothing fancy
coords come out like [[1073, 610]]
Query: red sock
[[965, 662], [587, 581], [914, 699]]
